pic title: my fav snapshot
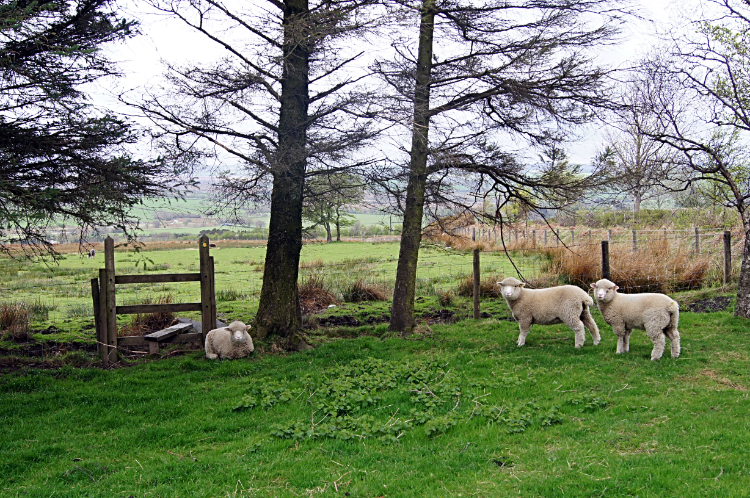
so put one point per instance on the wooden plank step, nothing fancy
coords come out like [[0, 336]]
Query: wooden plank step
[[168, 332]]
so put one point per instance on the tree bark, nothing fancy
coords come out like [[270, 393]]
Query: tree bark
[[277, 310], [402, 311], [743, 284], [329, 237]]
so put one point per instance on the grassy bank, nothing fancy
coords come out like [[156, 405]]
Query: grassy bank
[[455, 411]]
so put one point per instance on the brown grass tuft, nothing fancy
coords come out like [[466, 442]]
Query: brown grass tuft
[[359, 291], [655, 267], [314, 296], [143, 324], [315, 264], [487, 287], [14, 320]]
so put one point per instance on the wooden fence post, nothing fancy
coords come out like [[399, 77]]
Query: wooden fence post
[[727, 257], [605, 260], [205, 270], [110, 310], [697, 242], [97, 316], [533, 238], [545, 238], [609, 235], [103, 320], [635, 243], [476, 284], [213, 294]]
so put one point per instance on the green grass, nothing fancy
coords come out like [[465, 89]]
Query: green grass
[[456, 411], [65, 290]]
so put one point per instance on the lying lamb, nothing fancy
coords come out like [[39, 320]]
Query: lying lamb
[[657, 314], [229, 342], [564, 304]]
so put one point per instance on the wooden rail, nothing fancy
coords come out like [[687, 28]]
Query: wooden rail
[[106, 310]]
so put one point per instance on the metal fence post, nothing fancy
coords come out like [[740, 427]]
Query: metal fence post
[[605, 260]]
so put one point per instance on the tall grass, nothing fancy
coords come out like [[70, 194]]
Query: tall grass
[[14, 320], [656, 266]]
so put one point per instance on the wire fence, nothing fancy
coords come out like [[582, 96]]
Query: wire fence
[[639, 261]]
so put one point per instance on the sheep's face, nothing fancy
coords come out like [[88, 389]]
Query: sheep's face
[[237, 331], [604, 290], [511, 288]]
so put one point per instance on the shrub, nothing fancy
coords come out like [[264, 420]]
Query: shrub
[[487, 287], [14, 320], [445, 298], [359, 291], [314, 295]]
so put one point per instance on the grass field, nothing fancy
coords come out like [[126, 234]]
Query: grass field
[[457, 410], [62, 292]]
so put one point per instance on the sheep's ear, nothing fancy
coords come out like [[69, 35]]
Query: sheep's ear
[[615, 288], [248, 327], [227, 329], [593, 286], [522, 284]]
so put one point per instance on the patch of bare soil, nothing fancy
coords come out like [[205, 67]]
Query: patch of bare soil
[[720, 303]]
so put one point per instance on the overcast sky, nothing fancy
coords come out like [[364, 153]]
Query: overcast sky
[[167, 39]]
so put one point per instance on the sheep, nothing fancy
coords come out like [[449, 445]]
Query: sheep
[[566, 304], [229, 342], [657, 314], [92, 253]]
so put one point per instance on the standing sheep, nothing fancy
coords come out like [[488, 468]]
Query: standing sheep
[[564, 304], [229, 342], [657, 314]]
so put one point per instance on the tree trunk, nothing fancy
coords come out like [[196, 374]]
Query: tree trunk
[[743, 285], [636, 203], [402, 311], [338, 225], [327, 226], [277, 310]]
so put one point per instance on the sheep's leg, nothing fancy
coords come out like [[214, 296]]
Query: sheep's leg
[[590, 324], [580, 335], [622, 338], [674, 339], [626, 340], [524, 325], [659, 340]]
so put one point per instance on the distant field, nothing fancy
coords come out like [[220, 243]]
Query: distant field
[[66, 292]]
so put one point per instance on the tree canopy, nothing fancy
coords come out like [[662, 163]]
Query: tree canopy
[[61, 159]]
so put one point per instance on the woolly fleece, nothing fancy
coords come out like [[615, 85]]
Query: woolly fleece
[[229, 342], [566, 304], [657, 314]]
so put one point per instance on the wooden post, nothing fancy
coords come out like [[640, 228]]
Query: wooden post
[[205, 270], [609, 235], [635, 243], [476, 284], [727, 257], [97, 316], [213, 295], [473, 234], [605, 260], [533, 238], [545, 238], [110, 310], [515, 233], [103, 337], [697, 242]]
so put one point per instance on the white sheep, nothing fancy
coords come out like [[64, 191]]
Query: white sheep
[[657, 314], [566, 304], [229, 342]]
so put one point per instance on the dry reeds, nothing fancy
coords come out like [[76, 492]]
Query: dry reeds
[[654, 267], [145, 323], [487, 287], [14, 320], [314, 296], [359, 291]]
